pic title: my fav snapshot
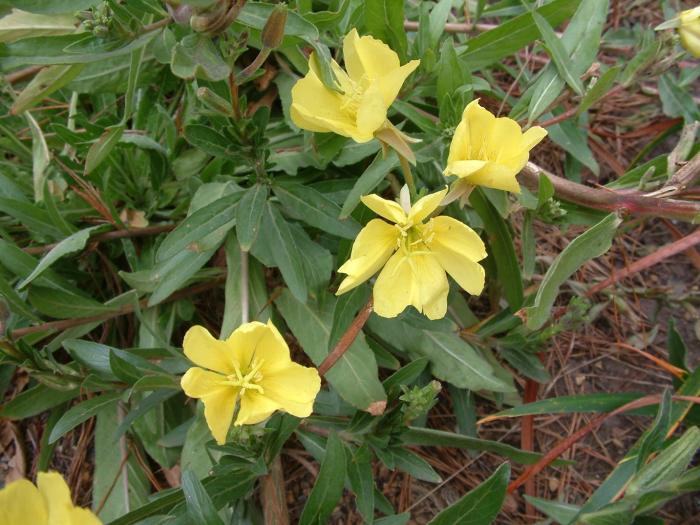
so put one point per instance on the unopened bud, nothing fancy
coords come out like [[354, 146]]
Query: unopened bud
[[214, 102], [180, 13], [273, 32], [216, 19]]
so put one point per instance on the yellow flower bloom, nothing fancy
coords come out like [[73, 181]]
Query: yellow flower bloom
[[49, 503], [489, 151], [414, 255], [373, 79], [251, 366], [689, 30]]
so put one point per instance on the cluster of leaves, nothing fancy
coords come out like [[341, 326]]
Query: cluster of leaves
[[139, 172]]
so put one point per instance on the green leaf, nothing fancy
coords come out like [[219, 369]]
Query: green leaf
[[67, 49], [440, 438], [452, 358], [19, 24], [556, 510], [71, 244], [437, 19], [50, 8], [41, 156], [384, 20], [346, 308], [203, 230], [676, 101], [395, 519], [108, 465], [574, 140], [99, 151], [196, 56], [43, 84], [32, 217], [34, 401], [200, 508], [174, 273], [354, 376], [653, 439], [601, 402], [249, 215], [276, 233], [479, 506], [558, 54], [207, 139], [580, 40], [414, 465], [82, 412], [328, 487], [599, 89], [501, 249], [359, 469], [65, 305], [668, 465], [594, 242], [511, 36], [308, 205], [15, 302], [369, 180], [404, 376], [225, 489]]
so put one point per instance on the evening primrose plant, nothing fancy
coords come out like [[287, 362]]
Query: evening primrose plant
[[250, 250]]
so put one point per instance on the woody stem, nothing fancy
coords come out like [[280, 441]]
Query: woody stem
[[408, 175], [347, 339]]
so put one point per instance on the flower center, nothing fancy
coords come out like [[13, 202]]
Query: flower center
[[248, 380], [352, 96], [415, 239]]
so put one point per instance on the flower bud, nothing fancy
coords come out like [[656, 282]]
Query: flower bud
[[273, 32], [214, 102]]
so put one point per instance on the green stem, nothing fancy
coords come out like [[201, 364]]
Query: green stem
[[408, 176]]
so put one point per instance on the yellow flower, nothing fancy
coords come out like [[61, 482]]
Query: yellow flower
[[49, 503], [251, 366], [689, 30], [373, 79], [414, 255], [489, 151]]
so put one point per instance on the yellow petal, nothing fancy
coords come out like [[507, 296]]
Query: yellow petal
[[371, 113], [457, 248], [80, 516], [198, 382], [689, 31], [425, 206], [317, 108], [505, 140], [459, 146], [690, 41], [390, 210], [391, 83], [254, 408], [257, 341], [416, 280], [533, 136], [21, 502], [56, 495], [293, 388], [218, 411], [373, 246], [204, 350], [478, 122], [368, 56], [464, 168], [497, 176]]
